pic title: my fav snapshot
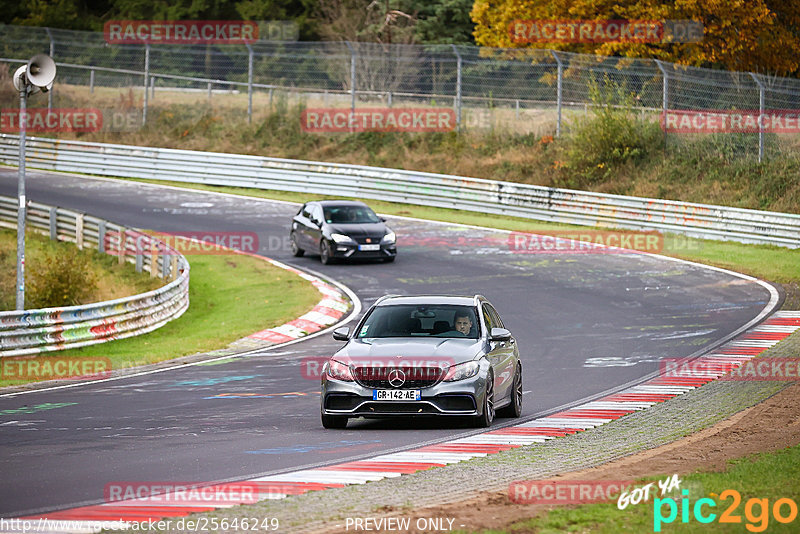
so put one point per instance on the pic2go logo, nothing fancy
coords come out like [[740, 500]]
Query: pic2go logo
[[756, 511]]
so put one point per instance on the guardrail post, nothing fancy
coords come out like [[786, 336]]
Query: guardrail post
[[53, 223], [79, 231], [664, 98], [153, 261], [209, 92], [559, 91], [458, 87], [146, 78], [101, 236], [389, 99], [249, 84], [760, 115], [164, 265], [123, 245], [352, 77], [52, 55], [91, 81]]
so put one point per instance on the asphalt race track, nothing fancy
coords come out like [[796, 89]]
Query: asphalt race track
[[586, 323]]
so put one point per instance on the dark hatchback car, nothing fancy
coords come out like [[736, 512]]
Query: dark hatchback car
[[341, 229], [424, 356]]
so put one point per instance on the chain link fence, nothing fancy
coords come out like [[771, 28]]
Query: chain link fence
[[536, 91]]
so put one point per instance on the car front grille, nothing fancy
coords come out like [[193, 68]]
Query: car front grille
[[386, 378], [373, 240]]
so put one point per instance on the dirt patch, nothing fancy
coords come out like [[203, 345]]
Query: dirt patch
[[769, 426]]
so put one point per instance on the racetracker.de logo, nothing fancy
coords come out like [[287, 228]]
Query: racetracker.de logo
[[182, 493], [54, 368], [730, 121], [380, 368], [585, 242], [565, 492], [605, 31], [188, 243], [337, 120], [180, 31], [43, 120], [757, 369]]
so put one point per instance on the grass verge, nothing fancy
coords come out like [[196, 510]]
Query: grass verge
[[760, 480], [230, 297], [110, 280]]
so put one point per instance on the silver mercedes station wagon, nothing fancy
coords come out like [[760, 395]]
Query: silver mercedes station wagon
[[424, 356]]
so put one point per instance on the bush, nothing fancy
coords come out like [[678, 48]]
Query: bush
[[60, 278], [611, 137]]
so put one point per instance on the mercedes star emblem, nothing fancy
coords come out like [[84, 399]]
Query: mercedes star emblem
[[397, 378]]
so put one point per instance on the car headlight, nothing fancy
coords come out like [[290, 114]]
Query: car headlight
[[462, 371], [338, 371], [341, 238], [389, 237]]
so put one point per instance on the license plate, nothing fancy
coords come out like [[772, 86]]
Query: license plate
[[369, 248], [396, 394]]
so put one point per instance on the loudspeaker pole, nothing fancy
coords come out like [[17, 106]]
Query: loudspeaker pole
[[37, 75], [22, 209]]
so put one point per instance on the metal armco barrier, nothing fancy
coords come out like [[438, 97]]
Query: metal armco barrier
[[428, 189], [49, 329]]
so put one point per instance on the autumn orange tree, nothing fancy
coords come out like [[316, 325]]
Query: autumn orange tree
[[745, 35]]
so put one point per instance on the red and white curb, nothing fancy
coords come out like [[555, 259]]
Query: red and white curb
[[328, 311], [589, 415]]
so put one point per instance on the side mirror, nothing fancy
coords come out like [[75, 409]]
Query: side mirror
[[500, 334], [342, 333]]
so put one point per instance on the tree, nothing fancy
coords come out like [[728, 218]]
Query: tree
[[747, 35]]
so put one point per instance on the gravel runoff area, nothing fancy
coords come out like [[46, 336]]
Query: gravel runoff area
[[666, 422]]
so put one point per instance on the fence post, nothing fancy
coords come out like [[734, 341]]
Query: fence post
[[91, 81], [664, 99], [458, 87], [559, 91], [249, 83], [52, 55], [352, 77], [153, 87], [146, 79], [760, 114]]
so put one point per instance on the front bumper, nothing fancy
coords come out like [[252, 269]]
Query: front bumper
[[351, 250], [351, 399]]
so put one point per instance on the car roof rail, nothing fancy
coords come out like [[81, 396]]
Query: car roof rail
[[381, 299]]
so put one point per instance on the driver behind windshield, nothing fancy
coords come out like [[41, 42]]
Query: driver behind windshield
[[462, 323]]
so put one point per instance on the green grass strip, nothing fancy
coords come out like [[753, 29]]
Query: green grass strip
[[770, 476]]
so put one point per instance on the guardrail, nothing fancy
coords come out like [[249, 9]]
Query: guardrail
[[49, 329], [428, 189]]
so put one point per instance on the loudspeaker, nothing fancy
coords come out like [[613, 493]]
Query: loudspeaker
[[39, 72], [42, 71]]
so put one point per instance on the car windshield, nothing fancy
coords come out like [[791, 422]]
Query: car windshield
[[421, 321], [350, 215]]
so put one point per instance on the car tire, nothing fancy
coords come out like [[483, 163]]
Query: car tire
[[484, 420], [334, 421], [514, 409], [296, 251], [325, 253]]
